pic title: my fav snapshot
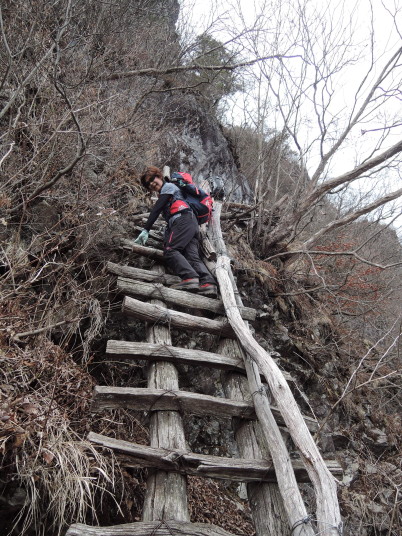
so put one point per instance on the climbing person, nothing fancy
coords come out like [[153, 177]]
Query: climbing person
[[181, 240]]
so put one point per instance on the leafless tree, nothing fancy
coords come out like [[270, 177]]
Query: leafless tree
[[334, 92]]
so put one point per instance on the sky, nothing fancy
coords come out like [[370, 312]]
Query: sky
[[345, 19]]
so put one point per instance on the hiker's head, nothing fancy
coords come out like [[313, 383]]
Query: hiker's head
[[152, 179]]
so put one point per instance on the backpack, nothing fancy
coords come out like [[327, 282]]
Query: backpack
[[199, 201]]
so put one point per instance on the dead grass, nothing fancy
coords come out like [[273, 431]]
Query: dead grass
[[44, 404], [65, 479]]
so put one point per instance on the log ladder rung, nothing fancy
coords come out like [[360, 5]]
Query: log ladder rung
[[156, 290], [154, 528], [131, 351], [147, 284], [191, 463], [143, 399]]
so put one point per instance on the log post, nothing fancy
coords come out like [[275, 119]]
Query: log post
[[265, 500], [166, 495]]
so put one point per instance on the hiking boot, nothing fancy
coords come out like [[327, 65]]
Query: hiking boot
[[208, 289], [187, 284]]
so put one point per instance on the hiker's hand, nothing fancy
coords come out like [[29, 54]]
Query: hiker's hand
[[178, 182], [142, 238]]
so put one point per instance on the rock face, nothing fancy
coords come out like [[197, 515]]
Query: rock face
[[193, 141], [190, 137]]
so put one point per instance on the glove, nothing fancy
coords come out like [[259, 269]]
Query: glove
[[179, 182], [142, 238]]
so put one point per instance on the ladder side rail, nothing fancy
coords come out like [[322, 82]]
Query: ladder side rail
[[287, 483], [166, 493], [329, 520]]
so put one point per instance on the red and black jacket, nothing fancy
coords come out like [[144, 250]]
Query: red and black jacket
[[170, 202]]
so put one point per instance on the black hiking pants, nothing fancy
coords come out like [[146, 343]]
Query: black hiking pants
[[181, 249]]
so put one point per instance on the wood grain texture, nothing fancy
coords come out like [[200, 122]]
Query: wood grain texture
[[152, 352], [155, 528], [151, 253], [142, 399], [265, 500], [157, 290], [169, 400], [287, 493], [158, 315], [328, 513], [141, 274], [166, 493], [236, 469]]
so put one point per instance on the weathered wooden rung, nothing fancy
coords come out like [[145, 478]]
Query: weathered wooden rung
[[152, 253], [155, 290], [190, 463], [155, 352], [154, 528], [141, 274], [159, 315], [142, 399]]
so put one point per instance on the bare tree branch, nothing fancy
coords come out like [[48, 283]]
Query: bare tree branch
[[68, 168], [333, 254], [151, 71], [351, 217]]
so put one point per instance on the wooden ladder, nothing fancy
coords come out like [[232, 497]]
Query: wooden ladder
[[165, 509]]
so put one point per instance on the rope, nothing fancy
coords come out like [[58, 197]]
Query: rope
[[310, 518], [166, 392], [171, 530], [158, 526], [303, 521], [260, 391], [168, 347], [164, 318], [338, 528]]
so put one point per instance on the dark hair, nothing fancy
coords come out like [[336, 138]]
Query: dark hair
[[149, 174]]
